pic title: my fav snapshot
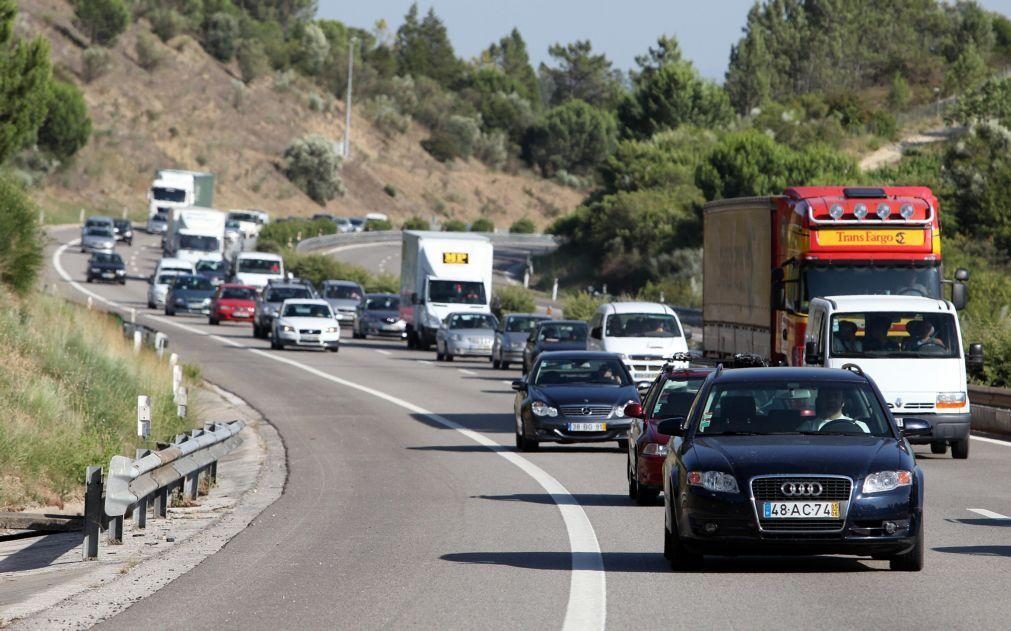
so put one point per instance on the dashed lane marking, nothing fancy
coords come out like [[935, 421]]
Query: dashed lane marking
[[466, 372], [989, 514]]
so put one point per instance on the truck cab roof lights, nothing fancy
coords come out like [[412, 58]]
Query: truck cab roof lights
[[906, 211], [887, 218], [836, 211], [860, 211], [883, 210], [864, 193]]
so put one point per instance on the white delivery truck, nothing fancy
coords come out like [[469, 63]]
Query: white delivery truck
[[195, 234], [911, 347], [173, 188], [442, 273], [646, 335]]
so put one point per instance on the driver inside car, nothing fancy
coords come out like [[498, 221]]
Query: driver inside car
[[828, 408], [921, 336]]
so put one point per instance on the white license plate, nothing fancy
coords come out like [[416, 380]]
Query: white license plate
[[587, 427], [108, 274], [240, 314], [801, 510], [310, 338]]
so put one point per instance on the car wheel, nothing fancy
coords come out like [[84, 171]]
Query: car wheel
[[623, 443], [333, 349], [122, 282], [412, 343], [939, 447], [213, 321], [496, 364], [169, 312], [647, 496], [276, 344], [90, 279], [525, 444], [438, 355], [960, 449], [256, 330], [505, 365], [633, 484], [150, 305], [680, 557], [449, 357], [911, 561]]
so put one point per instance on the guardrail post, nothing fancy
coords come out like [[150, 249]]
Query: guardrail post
[[212, 472], [92, 512], [161, 500], [140, 512], [193, 485], [115, 531]]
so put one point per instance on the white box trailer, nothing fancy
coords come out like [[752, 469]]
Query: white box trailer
[[195, 234], [442, 273]]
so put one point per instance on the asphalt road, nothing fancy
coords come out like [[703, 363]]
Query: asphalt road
[[407, 506]]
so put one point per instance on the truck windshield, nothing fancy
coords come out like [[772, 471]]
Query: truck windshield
[[457, 291], [642, 325], [199, 243], [839, 280], [893, 334], [163, 194]]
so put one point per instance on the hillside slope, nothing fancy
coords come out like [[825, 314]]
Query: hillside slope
[[193, 112]]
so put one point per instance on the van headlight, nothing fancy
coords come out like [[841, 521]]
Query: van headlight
[[886, 481], [950, 400]]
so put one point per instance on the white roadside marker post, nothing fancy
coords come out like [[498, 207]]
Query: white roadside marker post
[[181, 400], [138, 342], [143, 416]]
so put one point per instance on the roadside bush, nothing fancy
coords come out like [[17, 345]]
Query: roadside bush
[[512, 299], [440, 147], [102, 20], [482, 224], [20, 239], [149, 56], [390, 190], [95, 62], [523, 225], [456, 138], [454, 225], [166, 23], [581, 305], [416, 223], [318, 268], [386, 116], [279, 233], [221, 35], [313, 166], [377, 225], [253, 61], [67, 126], [491, 149]]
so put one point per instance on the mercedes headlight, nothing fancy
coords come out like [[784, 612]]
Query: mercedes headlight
[[541, 408], [714, 481], [886, 481]]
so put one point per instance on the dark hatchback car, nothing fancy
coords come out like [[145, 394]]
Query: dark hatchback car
[[669, 396], [189, 293], [123, 230], [107, 266], [379, 314], [752, 473], [554, 335], [573, 397]]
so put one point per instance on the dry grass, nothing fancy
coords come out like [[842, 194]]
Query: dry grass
[[184, 115], [68, 393]]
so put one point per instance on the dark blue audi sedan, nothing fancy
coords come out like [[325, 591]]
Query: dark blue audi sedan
[[792, 461], [573, 397]]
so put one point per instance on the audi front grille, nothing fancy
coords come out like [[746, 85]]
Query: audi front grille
[[788, 488]]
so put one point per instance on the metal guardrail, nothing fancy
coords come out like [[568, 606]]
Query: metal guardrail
[[989, 396], [150, 480], [143, 335], [312, 244]]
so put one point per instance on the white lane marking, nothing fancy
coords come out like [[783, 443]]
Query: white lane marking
[[508, 383], [425, 362], [989, 514], [466, 372], [587, 606], [356, 246], [382, 352], [992, 441]]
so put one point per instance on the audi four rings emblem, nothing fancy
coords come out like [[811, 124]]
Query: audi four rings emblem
[[794, 489]]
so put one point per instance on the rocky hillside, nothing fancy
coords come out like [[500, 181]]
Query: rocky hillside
[[193, 112]]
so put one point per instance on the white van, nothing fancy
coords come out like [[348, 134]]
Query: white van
[[169, 264], [645, 334], [257, 268], [911, 347]]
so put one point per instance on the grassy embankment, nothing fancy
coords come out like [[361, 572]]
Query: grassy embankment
[[68, 394]]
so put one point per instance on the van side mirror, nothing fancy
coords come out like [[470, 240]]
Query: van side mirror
[[671, 426], [596, 333], [811, 355], [414, 298], [962, 275], [959, 295], [974, 360]]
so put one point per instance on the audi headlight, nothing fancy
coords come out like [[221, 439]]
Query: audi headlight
[[96, 270], [541, 408], [656, 449], [886, 481], [619, 410], [714, 481], [180, 301], [951, 399]]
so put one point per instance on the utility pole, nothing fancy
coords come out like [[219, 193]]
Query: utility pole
[[347, 100]]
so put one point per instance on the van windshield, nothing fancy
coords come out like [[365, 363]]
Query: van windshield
[[457, 291], [199, 243], [164, 194], [894, 334], [259, 266], [642, 325]]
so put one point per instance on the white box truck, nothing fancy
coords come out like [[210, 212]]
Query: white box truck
[[442, 273], [911, 347], [174, 188], [195, 234]]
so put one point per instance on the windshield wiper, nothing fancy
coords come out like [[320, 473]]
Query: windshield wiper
[[738, 434]]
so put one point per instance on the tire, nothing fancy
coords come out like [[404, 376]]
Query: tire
[[449, 357], [256, 330], [169, 312], [122, 282], [505, 365], [680, 558], [911, 561], [412, 342], [960, 449], [151, 305], [939, 447], [275, 345], [525, 444], [633, 484], [90, 280], [439, 356], [647, 496], [213, 321], [333, 349], [496, 364], [623, 443]]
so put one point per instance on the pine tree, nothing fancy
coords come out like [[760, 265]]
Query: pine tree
[[424, 49], [581, 75], [510, 55], [748, 82], [24, 91]]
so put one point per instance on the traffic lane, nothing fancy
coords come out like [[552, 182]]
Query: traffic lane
[[362, 512], [839, 589]]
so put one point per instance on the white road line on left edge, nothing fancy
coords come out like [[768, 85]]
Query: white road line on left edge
[[466, 372], [992, 441], [586, 608], [989, 514], [382, 352]]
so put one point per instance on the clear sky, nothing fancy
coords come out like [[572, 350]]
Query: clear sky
[[620, 28]]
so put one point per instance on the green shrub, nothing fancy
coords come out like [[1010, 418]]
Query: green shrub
[[523, 225], [253, 61], [67, 126], [482, 224], [390, 190], [377, 225], [20, 239], [313, 166], [95, 62], [491, 149], [457, 137], [318, 268], [454, 225], [221, 36], [512, 299], [102, 20], [440, 147], [149, 56], [416, 223], [166, 23], [386, 116], [582, 305], [279, 233]]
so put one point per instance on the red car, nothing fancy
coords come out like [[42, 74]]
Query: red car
[[233, 302], [671, 395]]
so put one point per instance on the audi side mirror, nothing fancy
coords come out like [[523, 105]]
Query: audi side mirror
[[671, 426], [633, 410], [913, 427]]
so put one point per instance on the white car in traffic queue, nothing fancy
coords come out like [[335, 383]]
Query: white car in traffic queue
[[306, 323], [158, 289]]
